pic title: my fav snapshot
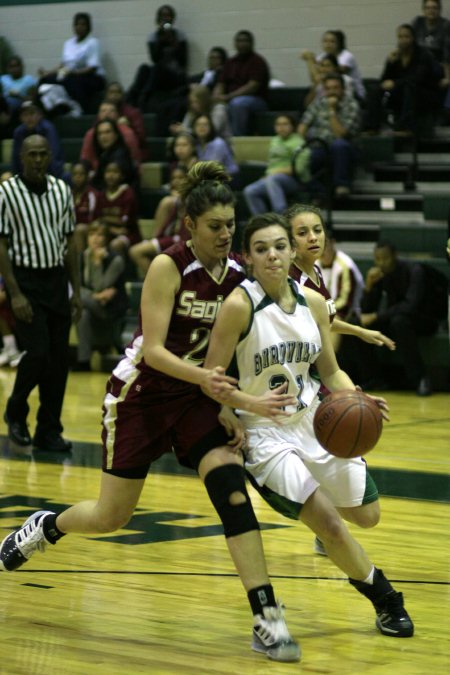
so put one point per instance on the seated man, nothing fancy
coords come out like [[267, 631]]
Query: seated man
[[33, 122], [334, 119], [243, 84], [396, 301]]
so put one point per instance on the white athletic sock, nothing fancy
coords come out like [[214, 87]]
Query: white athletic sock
[[369, 579]]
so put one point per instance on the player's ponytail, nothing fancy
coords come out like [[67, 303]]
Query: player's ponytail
[[205, 185]]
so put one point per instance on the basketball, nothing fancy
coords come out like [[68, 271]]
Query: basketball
[[348, 423]]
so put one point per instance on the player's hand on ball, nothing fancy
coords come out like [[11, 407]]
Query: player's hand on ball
[[382, 404]]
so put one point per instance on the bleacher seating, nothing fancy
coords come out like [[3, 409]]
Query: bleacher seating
[[392, 196]]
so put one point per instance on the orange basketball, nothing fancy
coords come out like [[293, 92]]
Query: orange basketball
[[348, 423]]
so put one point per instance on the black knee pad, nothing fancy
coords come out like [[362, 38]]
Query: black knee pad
[[221, 483]]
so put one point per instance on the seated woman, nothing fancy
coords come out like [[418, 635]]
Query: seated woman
[[128, 115], [209, 146], [200, 103], [85, 200], [109, 146], [117, 208], [272, 191], [318, 70], [16, 86], [408, 88], [169, 226], [334, 42], [109, 111], [103, 296], [80, 71]]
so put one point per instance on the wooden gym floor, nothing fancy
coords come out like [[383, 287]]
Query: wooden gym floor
[[162, 596]]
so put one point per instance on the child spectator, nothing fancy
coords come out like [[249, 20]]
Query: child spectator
[[16, 86], [279, 182], [103, 296], [117, 209], [85, 200]]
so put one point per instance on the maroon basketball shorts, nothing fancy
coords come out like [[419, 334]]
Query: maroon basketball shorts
[[142, 421]]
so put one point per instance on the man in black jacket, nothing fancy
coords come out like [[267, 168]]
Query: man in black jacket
[[396, 301]]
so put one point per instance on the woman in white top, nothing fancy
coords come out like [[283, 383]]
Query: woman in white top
[[334, 42], [80, 71], [276, 329]]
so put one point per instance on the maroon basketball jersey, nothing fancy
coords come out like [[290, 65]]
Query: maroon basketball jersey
[[304, 280], [195, 309]]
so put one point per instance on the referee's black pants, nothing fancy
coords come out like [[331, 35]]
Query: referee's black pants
[[46, 342]]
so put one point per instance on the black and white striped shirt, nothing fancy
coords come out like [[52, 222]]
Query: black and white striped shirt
[[36, 225]]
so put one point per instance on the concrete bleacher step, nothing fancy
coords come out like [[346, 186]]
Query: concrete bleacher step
[[374, 202], [401, 172], [428, 238]]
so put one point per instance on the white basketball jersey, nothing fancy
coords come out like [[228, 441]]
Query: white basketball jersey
[[277, 348]]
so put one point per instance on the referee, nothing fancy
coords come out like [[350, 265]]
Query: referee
[[37, 260]]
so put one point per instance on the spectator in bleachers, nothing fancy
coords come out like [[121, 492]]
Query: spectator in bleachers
[[16, 86], [243, 84], [334, 42], [80, 72], [200, 102], [183, 151], [168, 51], [318, 70], [103, 296], [85, 200], [433, 33], [169, 226], [396, 301], [217, 57], [209, 146], [279, 182], [128, 115], [408, 89], [33, 122], [109, 146], [109, 111], [5, 54], [5, 119], [334, 120], [117, 208], [344, 282]]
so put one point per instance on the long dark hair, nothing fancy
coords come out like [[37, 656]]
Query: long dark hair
[[119, 152]]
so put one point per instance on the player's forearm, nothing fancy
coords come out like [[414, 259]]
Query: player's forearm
[[337, 380]]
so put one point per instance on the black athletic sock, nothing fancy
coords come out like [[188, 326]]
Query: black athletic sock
[[51, 532], [260, 597], [374, 592]]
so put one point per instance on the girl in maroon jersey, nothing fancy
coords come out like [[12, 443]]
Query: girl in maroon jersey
[[117, 208], [309, 234], [154, 405], [85, 199]]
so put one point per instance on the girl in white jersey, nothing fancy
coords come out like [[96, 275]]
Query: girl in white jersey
[[276, 329]]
